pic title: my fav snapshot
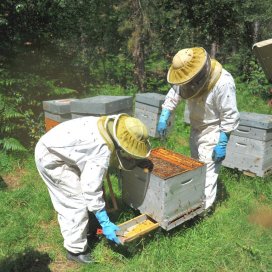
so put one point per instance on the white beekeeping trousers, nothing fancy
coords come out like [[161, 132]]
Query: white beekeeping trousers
[[67, 198], [202, 148]]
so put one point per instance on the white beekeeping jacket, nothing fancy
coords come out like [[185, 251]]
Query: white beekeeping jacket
[[78, 143], [215, 108]]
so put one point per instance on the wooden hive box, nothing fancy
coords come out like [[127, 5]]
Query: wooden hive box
[[250, 146], [171, 193], [148, 110]]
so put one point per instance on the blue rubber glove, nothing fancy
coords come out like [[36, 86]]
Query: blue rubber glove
[[162, 125], [219, 151], [108, 227]]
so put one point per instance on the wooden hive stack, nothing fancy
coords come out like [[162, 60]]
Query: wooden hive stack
[[148, 109], [250, 146], [56, 111], [102, 105], [171, 192]]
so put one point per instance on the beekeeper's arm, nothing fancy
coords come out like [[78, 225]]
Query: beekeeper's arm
[[172, 99], [229, 117], [91, 183]]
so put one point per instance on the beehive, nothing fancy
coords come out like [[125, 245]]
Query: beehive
[[57, 111], [148, 109], [262, 51], [102, 105], [250, 145], [186, 115], [171, 193]]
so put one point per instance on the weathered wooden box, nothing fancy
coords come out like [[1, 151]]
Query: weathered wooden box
[[171, 193], [148, 110], [263, 52], [186, 115], [250, 146], [102, 105], [57, 111]]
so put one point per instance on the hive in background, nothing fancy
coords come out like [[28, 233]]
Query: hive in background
[[148, 109], [102, 105], [250, 146], [171, 192], [57, 111], [186, 115]]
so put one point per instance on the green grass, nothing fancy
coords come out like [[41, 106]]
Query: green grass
[[225, 241], [231, 239]]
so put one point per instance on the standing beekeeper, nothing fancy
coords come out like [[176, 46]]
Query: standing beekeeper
[[72, 159], [211, 95]]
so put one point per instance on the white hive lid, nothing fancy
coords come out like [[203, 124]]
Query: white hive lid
[[263, 52]]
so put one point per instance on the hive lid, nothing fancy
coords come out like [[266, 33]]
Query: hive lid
[[258, 120], [102, 104], [153, 99], [61, 106], [263, 52], [167, 164]]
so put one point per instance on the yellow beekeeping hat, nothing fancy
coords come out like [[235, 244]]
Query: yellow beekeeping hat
[[186, 65], [132, 136]]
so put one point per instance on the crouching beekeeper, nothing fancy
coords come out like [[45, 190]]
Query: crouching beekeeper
[[72, 159], [211, 95]]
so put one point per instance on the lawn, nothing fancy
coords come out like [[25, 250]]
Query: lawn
[[236, 237]]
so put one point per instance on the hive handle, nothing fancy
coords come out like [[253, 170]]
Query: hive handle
[[186, 181], [242, 130]]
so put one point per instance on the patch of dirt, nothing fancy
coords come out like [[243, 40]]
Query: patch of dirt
[[261, 216], [12, 180], [182, 142], [60, 263]]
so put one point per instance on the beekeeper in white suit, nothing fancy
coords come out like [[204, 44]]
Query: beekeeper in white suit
[[211, 95], [73, 157]]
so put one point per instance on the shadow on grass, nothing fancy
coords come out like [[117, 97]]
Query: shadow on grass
[[3, 184], [28, 261], [222, 193]]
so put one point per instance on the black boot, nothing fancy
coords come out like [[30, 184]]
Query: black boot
[[84, 257]]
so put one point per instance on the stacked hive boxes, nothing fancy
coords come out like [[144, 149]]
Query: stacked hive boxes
[[56, 111], [171, 192], [186, 115], [148, 110], [102, 105], [250, 145]]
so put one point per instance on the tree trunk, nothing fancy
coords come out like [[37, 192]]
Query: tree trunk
[[138, 48], [256, 28], [214, 50]]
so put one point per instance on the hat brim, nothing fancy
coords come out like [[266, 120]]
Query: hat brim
[[185, 74], [136, 154]]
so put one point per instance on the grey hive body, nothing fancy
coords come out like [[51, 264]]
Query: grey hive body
[[250, 145], [186, 114], [58, 110], [148, 110], [102, 105], [169, 201]]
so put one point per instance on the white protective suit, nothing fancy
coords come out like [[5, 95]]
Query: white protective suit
[[72, 159], [209, 114]]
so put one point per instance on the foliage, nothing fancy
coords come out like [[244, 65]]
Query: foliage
[[49, 48], [21, 97]]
